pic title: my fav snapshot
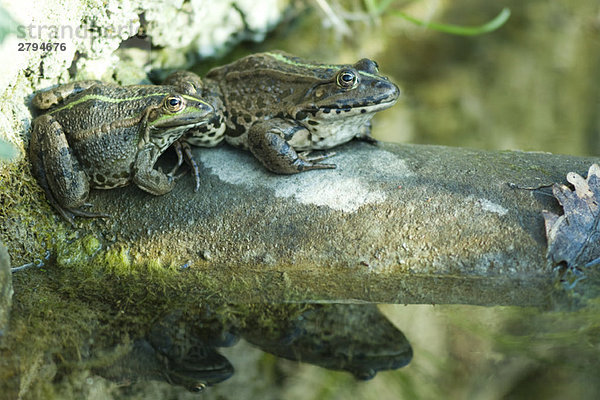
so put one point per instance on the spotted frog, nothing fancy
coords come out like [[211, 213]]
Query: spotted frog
[[98, 135], [277, 105]]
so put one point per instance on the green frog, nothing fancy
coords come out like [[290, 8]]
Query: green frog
[[281, 107], [98, 135]]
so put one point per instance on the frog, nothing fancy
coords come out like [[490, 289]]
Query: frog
[[282, 107], [94, 135]]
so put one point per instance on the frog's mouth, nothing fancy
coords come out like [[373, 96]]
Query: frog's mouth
[[184, 122], [335, 111], [358, 107]]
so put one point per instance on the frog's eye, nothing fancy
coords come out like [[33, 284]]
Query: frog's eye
[[347, 79], [174, 103]]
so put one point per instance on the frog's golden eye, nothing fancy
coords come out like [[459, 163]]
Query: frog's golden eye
[[174, 103], [347, 79]]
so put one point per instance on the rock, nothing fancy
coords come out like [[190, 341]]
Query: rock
[[393, 223], [6, 290]]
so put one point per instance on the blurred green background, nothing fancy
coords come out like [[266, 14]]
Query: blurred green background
[[531, 85]]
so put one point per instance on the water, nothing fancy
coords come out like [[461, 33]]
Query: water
[[532, 85]]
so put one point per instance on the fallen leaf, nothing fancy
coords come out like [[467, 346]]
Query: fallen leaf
[[574, 237]]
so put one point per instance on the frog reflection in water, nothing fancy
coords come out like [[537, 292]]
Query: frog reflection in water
[[352, 337], [96, 135], [275, 105], [180, 348]]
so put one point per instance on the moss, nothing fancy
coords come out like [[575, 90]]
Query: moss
[[118, 261], [32, 229], [91, 245]]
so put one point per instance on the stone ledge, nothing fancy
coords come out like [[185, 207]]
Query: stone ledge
[[393, 223]]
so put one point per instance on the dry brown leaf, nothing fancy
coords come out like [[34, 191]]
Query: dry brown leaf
[[574, 237]]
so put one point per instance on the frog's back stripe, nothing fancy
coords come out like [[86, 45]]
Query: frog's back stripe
[[108, 99], [285, 59]]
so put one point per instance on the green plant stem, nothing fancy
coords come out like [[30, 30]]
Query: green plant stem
[[494, 24]]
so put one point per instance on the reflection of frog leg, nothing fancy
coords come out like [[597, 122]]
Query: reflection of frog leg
[[49, 98], [58, 171], [148, 178], [268, 142]]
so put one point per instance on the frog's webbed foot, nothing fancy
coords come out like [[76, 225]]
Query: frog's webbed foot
[[66, 214], [69, 213], [306, 164], [267, 142], [88, 214]]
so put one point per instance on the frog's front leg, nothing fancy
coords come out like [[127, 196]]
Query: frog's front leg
[[268, 141], [57, 169], [365, 134], [184, 153], [146, 177]]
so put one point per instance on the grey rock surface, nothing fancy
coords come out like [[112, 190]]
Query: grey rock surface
[[6, 290], [393, 223]]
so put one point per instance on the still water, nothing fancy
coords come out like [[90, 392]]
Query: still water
[[532, 85]]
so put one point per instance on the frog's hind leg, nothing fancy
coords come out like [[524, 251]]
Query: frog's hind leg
[[57, 170], [37, 168], [267, 140]]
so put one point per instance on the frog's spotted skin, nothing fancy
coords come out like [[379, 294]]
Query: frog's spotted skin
[[277, 103], [105, 136]]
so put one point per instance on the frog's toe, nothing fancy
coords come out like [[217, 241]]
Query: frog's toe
[[189, 159], [174, 175], [316, 159], [302, 164], [88, 214], [67, 216], [179, 152], [322, 166]]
